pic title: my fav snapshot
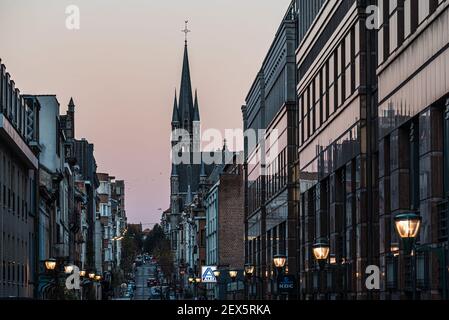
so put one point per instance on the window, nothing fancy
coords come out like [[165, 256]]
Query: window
[[324, 88], [410, 16], [203, 238], [426, 8], [331, 83], [446, 149], [348, 63], [414, 166], [317, 102], [391, 272], [340, 65], [308, 119], [104, 210], [422, 270], [58, 142]]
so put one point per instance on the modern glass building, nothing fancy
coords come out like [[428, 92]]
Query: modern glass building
[[413, 137], [336, 165], [270, 113]]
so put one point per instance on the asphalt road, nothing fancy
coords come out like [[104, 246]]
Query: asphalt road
[[142, 274]]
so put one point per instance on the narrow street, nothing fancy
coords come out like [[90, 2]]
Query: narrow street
[[143, 272]]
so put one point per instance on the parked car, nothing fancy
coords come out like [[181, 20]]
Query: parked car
[[155, 293], [151, 282]]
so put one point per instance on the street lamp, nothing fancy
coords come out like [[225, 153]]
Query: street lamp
[[82, 273], [321, 250], [408, 225], [50, 264], [98, 277], [233, 274], [91, 275], [249, 270], [279, 261], [68, 269], [217, 273]]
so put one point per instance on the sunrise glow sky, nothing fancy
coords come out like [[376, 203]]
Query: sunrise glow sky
[[123, 66]]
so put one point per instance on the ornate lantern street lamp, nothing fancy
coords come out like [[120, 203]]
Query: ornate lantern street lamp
[[50, 264], [279, 262], [408, 226], [68, 269], [233, 274], [249, 270], [321, 251]]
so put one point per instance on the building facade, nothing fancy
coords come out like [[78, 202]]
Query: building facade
[[111, 218], [48, 188], [18, 182], [269, 118], [336, 101], [413, 138], [225, 226]]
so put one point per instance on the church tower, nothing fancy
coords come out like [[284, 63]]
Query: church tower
[[186, 114]]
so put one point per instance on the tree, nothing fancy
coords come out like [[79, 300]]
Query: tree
[[158, 245], [131, 247], [164, 255], [153, 240]]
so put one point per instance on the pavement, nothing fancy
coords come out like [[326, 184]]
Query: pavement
[[143, 272]]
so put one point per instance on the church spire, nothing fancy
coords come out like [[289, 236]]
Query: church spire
[[196, 110], [185, 95], [175, 115], [71, 105]]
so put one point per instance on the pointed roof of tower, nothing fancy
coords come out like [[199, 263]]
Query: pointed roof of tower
[[71, 104], [185, 94], [196, 109], [175, 115]]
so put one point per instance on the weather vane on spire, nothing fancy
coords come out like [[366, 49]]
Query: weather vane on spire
[[186, 30]]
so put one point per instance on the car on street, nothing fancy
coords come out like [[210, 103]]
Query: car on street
[[155, 293], [151, 282]]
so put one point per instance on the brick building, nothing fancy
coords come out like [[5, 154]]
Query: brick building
[[225, 229]]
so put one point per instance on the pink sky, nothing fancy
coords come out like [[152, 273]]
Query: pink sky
[[123, 66]]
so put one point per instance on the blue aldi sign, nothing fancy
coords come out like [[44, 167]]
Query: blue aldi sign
[[207, 274], [287, 284]]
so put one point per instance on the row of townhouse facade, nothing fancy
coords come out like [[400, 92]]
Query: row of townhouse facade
[[50, 199], [352, 98]]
